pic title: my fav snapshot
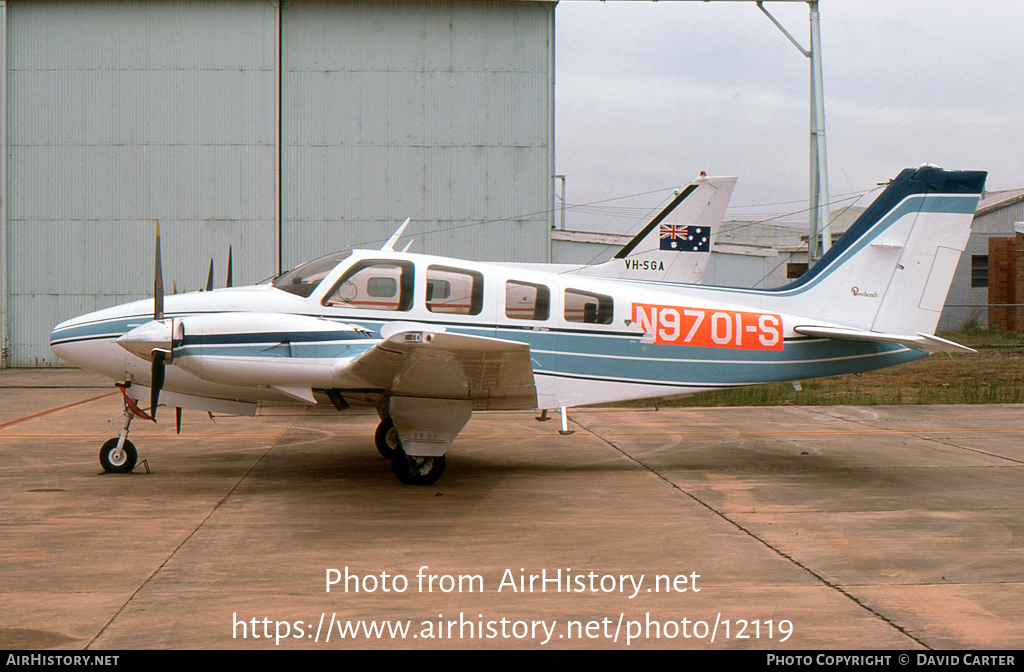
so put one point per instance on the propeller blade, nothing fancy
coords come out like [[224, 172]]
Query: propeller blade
[[177, 418], [229, 267], [158, 282], [157, 381], [209, 277]]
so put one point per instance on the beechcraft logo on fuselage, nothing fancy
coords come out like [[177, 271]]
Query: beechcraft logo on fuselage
[[709, 328]]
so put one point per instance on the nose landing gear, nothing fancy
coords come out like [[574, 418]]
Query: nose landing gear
[[118, 455]]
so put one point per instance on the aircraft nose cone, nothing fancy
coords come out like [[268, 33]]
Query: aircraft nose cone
[[65, 342]]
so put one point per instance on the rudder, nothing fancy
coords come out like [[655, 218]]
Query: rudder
[[890, 272]]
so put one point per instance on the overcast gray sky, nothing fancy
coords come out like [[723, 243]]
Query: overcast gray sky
[[648, 94]]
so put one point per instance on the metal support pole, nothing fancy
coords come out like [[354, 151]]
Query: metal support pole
[[562, 178], [5, 287], [278, 150], [551, 122], [820, 238], [822, 214]]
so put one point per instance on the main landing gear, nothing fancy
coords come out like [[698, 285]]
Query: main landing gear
[[386, 439], [410, 469]]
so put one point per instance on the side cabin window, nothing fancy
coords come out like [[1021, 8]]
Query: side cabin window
[[454, 291], [374, 285], [588, 308], [527, 301]]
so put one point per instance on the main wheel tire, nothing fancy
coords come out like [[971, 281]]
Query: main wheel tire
[[387, 439], [417, 470], [118, 463]]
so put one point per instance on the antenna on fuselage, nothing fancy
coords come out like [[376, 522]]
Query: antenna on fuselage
[[390, 245]]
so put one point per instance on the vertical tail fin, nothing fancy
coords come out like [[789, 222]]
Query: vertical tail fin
[[676, 244], [890, 272]]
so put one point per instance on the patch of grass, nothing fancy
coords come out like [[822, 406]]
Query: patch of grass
[[974, 336], [993, 375]]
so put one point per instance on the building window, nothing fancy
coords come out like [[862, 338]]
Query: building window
[[526, 301], [588, 308], [979, 270], [795, 270]]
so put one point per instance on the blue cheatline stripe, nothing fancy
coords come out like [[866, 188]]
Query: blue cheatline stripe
[[630, 361], [274, 337], [272, 351], [581, 354], [115, 327]]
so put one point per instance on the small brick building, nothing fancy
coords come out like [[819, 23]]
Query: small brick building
[[983, 269], [1006, 281]]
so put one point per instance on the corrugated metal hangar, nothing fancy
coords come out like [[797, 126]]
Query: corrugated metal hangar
[[284, 129]]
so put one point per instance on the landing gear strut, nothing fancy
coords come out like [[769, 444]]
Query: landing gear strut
[[118, 455]]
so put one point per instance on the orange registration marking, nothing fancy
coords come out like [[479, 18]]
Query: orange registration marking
[[709, 328]]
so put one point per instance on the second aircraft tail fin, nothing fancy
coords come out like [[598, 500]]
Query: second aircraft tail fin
[[676, 244]]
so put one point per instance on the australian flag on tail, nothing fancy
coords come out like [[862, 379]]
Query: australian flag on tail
[[685, 238]]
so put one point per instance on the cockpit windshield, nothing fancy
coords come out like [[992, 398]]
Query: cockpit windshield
[[304, 279]]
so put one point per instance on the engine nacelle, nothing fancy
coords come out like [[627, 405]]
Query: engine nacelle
[[266, 349]]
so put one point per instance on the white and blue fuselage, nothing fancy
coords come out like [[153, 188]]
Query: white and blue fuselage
[[423, 337]]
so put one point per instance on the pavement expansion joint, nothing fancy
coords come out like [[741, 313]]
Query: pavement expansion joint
[[920, 435], [821, 579], [191, 534]]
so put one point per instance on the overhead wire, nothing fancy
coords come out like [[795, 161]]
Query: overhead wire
[[644, 215], [511, 218], [806, 243]]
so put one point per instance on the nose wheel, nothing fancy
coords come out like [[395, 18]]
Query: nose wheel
[[118, 459]]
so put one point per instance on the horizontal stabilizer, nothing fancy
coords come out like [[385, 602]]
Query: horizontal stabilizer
[[924, 342]]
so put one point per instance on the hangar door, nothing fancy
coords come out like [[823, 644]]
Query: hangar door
[[286, 130], [438, 111], [120, 114]]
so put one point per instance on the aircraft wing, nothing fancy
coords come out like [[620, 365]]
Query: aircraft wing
[[495, 374], [925, 342]]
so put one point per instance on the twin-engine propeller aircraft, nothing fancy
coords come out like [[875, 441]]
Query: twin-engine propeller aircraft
[[427, 340]]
